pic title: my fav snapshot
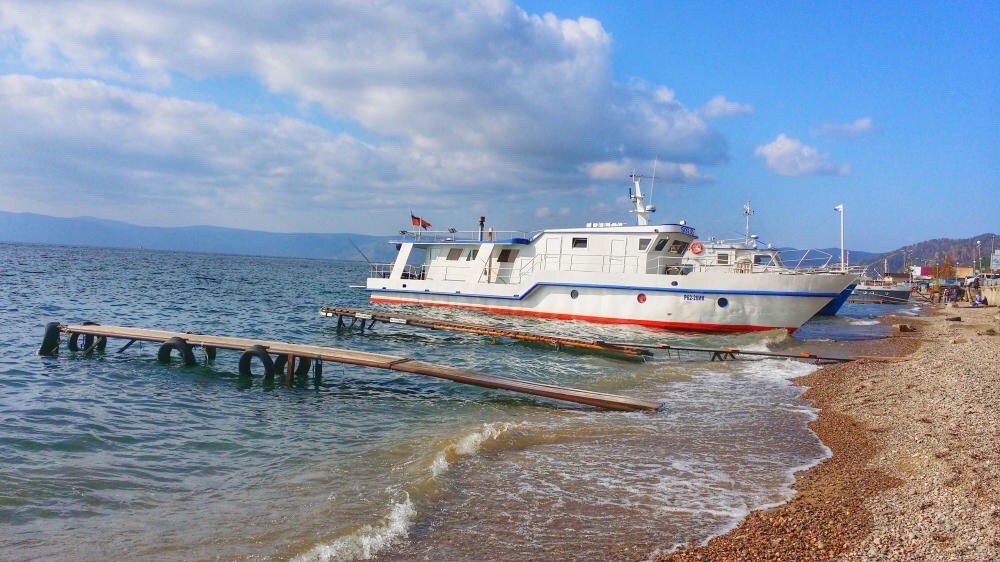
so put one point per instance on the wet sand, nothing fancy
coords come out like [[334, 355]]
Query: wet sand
[[915, 471]]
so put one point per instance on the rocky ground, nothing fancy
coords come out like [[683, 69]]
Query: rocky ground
[[915, 471]]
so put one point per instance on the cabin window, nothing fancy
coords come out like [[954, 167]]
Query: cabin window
[[507, 256], [762, 259], [677, 247], [454, 254], [579, 242], [472, 254], [660, 244], [722, 259], [644, 243]]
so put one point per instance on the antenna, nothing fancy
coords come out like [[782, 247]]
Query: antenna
[[652, 180], [641, 210], [747, 211], [359, 251]]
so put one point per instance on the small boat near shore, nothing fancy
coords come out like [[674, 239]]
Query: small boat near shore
[[881, 291], [602, 272]]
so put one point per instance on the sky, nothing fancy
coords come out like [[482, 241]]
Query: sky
[[349, 115]]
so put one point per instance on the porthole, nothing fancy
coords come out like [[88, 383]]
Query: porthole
[[641, 298], [673, 283], [574, 293], [723, 302]]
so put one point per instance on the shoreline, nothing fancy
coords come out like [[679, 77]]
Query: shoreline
[[915, 466]]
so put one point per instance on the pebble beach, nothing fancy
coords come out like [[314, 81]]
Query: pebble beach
[[914, 431]]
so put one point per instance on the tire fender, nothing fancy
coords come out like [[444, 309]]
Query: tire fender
[[181, 346], [50, 341], [259, 352], [302, 365]]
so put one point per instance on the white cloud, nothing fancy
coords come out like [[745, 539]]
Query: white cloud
[[548, 212], [332, 101], [789, 157], [857, 128], [719, 106], [83, 144], [664, 172]]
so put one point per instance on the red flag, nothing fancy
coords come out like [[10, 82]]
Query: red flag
[[417, 221]]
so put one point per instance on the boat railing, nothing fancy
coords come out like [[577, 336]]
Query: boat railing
[[453, 235], [580, 263], [384, 270], [739, 266], [448, 271]]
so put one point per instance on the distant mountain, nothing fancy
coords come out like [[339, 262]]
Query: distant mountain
[[963, 252], [89, 231]]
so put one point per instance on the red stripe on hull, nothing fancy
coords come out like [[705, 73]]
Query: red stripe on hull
[[695, 327]]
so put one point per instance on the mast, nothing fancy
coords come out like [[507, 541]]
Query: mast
[[747, 211], [642, 211]]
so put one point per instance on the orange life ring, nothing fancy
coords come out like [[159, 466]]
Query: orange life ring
[[697, 247]]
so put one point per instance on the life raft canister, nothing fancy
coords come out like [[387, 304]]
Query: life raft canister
[[697, 247]]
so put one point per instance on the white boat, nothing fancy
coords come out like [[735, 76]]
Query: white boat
[[880, 288], [602, 272], [881, 291]]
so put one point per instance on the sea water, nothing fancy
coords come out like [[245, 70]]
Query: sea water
[[118, 456]]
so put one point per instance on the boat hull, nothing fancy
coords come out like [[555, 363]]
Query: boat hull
[[834, 306], [883, 295], [717, 302]]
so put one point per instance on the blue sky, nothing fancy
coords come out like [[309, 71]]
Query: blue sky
[[343, 116]]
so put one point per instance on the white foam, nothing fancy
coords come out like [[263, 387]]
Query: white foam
[[368, 540], [467, 446], [778, 369], [863, 321]]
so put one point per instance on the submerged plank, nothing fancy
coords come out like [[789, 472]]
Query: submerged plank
[[481, 329]]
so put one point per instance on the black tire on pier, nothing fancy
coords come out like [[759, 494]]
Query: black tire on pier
[[302, 365], [100, 342], [90, 341], [260, 352], [181, 346], [74, 341], [50, 341]]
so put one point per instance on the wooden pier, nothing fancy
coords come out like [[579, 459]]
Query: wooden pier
[[369, 317], [296, 359]]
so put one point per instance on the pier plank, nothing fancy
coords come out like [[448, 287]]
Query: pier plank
[[367, 359]]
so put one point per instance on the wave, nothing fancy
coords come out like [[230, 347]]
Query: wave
[[368, 540], [467, 446]]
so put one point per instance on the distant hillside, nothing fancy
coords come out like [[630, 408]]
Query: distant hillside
[[88, 231], [962, 251]]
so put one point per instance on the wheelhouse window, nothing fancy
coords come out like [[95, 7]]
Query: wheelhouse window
[[722, 259], [677, 247], [579, 242], [660, 244], [454, 254], [472, 254], [644, 243], [762, 259], [507, 256]]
